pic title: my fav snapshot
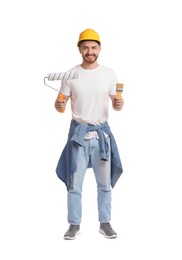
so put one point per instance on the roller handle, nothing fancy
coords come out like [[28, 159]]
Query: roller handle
[[61, 99]]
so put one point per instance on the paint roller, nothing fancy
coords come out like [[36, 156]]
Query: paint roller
[[70, 74]]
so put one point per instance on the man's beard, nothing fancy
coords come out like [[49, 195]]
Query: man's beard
[[87, 59]]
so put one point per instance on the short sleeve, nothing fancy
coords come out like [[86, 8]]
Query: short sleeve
[[112, 90], [65, 87]]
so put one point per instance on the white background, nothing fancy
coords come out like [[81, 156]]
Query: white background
[[141, 42]]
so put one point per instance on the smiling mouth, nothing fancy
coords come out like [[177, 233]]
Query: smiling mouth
[[90, 56]]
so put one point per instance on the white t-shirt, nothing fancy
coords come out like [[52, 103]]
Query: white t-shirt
[[89, 94]]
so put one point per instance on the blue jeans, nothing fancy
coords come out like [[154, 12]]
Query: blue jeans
[[102, 169]]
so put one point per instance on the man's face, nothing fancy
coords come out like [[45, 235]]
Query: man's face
[[90, 51]]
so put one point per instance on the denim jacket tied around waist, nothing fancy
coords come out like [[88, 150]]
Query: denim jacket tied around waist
[[67, 164]]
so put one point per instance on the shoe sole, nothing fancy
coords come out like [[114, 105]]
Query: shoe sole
[[72, 238], [103, 233]]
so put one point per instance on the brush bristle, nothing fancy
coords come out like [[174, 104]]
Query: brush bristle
[[119, 87]]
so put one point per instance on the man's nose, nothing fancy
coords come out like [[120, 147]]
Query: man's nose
[[89, 51]]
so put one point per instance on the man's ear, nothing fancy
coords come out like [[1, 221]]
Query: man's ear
[[79, 49]]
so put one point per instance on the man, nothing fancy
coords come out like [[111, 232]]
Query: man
[[90, 141]]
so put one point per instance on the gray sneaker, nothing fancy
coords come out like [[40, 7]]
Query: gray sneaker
[[107, 231], [72, 232]]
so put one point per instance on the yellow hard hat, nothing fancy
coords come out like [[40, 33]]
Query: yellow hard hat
[[87, 35]]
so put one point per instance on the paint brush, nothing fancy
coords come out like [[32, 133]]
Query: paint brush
[[119, 89]]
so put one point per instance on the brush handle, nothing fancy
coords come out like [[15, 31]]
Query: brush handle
[[61, 99], [118, 94]]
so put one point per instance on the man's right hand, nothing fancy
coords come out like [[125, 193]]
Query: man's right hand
[[60, 105]]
